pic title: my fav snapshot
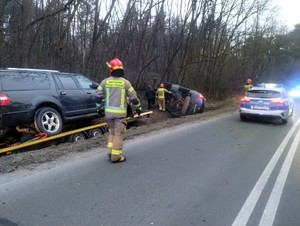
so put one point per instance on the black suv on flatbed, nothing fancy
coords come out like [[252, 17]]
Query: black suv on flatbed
[[44, 100]]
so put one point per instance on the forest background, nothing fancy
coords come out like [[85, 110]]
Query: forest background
[[211, 46]]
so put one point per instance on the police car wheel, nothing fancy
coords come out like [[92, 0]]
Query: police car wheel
[[243, 117]]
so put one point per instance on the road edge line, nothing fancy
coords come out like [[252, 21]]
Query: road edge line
[[248, 207], [274, 199]]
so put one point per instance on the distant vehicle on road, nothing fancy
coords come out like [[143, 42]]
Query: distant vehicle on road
[[267, 101], [184, 101]]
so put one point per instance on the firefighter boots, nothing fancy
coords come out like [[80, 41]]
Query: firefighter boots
[[118, 158]]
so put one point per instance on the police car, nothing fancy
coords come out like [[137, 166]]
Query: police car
[[267, 101]]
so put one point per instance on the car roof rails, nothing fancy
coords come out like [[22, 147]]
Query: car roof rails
[[29, 69]]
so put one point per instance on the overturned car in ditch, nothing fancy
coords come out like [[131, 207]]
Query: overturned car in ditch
[[183, 101]]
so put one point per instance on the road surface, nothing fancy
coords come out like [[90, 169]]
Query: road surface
[[215, 173]]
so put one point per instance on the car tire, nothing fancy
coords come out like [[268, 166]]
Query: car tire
[[48, 120], [185, 105], [95, 132], [105, 129], [175, 108], [284, 121], [243, 117], [77, 137]]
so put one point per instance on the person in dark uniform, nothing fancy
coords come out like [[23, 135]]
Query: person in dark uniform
[[150, 95]]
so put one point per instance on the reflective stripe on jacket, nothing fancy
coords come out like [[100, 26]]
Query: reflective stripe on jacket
[[115, 90], [247, 87], [160, 93]]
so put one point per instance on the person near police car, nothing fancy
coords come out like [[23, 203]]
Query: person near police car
[[160, 96], [114, 92], [248, 85]]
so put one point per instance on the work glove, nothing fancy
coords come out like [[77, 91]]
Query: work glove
[[100, 111], [138, 110]]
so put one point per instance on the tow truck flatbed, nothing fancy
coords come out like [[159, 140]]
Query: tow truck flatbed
[[43, 139]]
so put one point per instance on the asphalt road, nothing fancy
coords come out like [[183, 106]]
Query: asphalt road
[[215, 173]]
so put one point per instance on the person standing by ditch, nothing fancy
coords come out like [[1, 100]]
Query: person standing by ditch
[[113, 92], [150, 95], [160, 95]]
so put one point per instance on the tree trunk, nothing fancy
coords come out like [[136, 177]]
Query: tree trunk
[[26, 8]]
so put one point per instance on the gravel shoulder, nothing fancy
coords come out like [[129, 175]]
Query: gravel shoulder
[[30, 160]]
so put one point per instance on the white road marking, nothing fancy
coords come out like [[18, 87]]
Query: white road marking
[[248, 207], [268, 216]]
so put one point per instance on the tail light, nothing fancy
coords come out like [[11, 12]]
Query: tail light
[[277, 101], [201, 97], [245, 100], [4, 100]]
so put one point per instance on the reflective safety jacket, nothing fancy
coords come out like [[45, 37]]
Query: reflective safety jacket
[[247, 87], [160, 93], [114, 91]]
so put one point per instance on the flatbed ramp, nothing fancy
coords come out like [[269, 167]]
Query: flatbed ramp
[[42, 139]]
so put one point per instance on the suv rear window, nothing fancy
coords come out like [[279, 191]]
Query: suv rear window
[[24, 81], [264, 94]]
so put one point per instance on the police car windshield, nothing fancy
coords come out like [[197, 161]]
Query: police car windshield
[[263, 94]]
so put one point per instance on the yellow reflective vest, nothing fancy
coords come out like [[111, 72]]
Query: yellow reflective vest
[[115, 91], [247, 87], [160, 93]]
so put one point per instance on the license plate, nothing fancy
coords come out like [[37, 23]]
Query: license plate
[[257, 107]]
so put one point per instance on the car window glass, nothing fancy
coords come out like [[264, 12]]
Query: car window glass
[[67, 82], [264, 93], [25, 81], [84, 81]]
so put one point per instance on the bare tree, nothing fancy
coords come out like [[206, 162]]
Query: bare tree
[[26, 8], [209, 45]]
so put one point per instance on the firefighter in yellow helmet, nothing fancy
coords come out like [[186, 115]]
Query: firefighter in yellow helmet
[[160, 96], [248, 85], [114, 92]]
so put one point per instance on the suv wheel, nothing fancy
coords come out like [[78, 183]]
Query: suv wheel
[[48, 120]]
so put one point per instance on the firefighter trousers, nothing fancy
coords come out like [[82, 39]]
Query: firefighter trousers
[[161, 104], [117, 129]]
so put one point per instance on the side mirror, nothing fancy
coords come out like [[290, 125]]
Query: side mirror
[[94, 85]]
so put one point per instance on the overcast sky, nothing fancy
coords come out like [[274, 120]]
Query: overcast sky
[[290, 11]]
